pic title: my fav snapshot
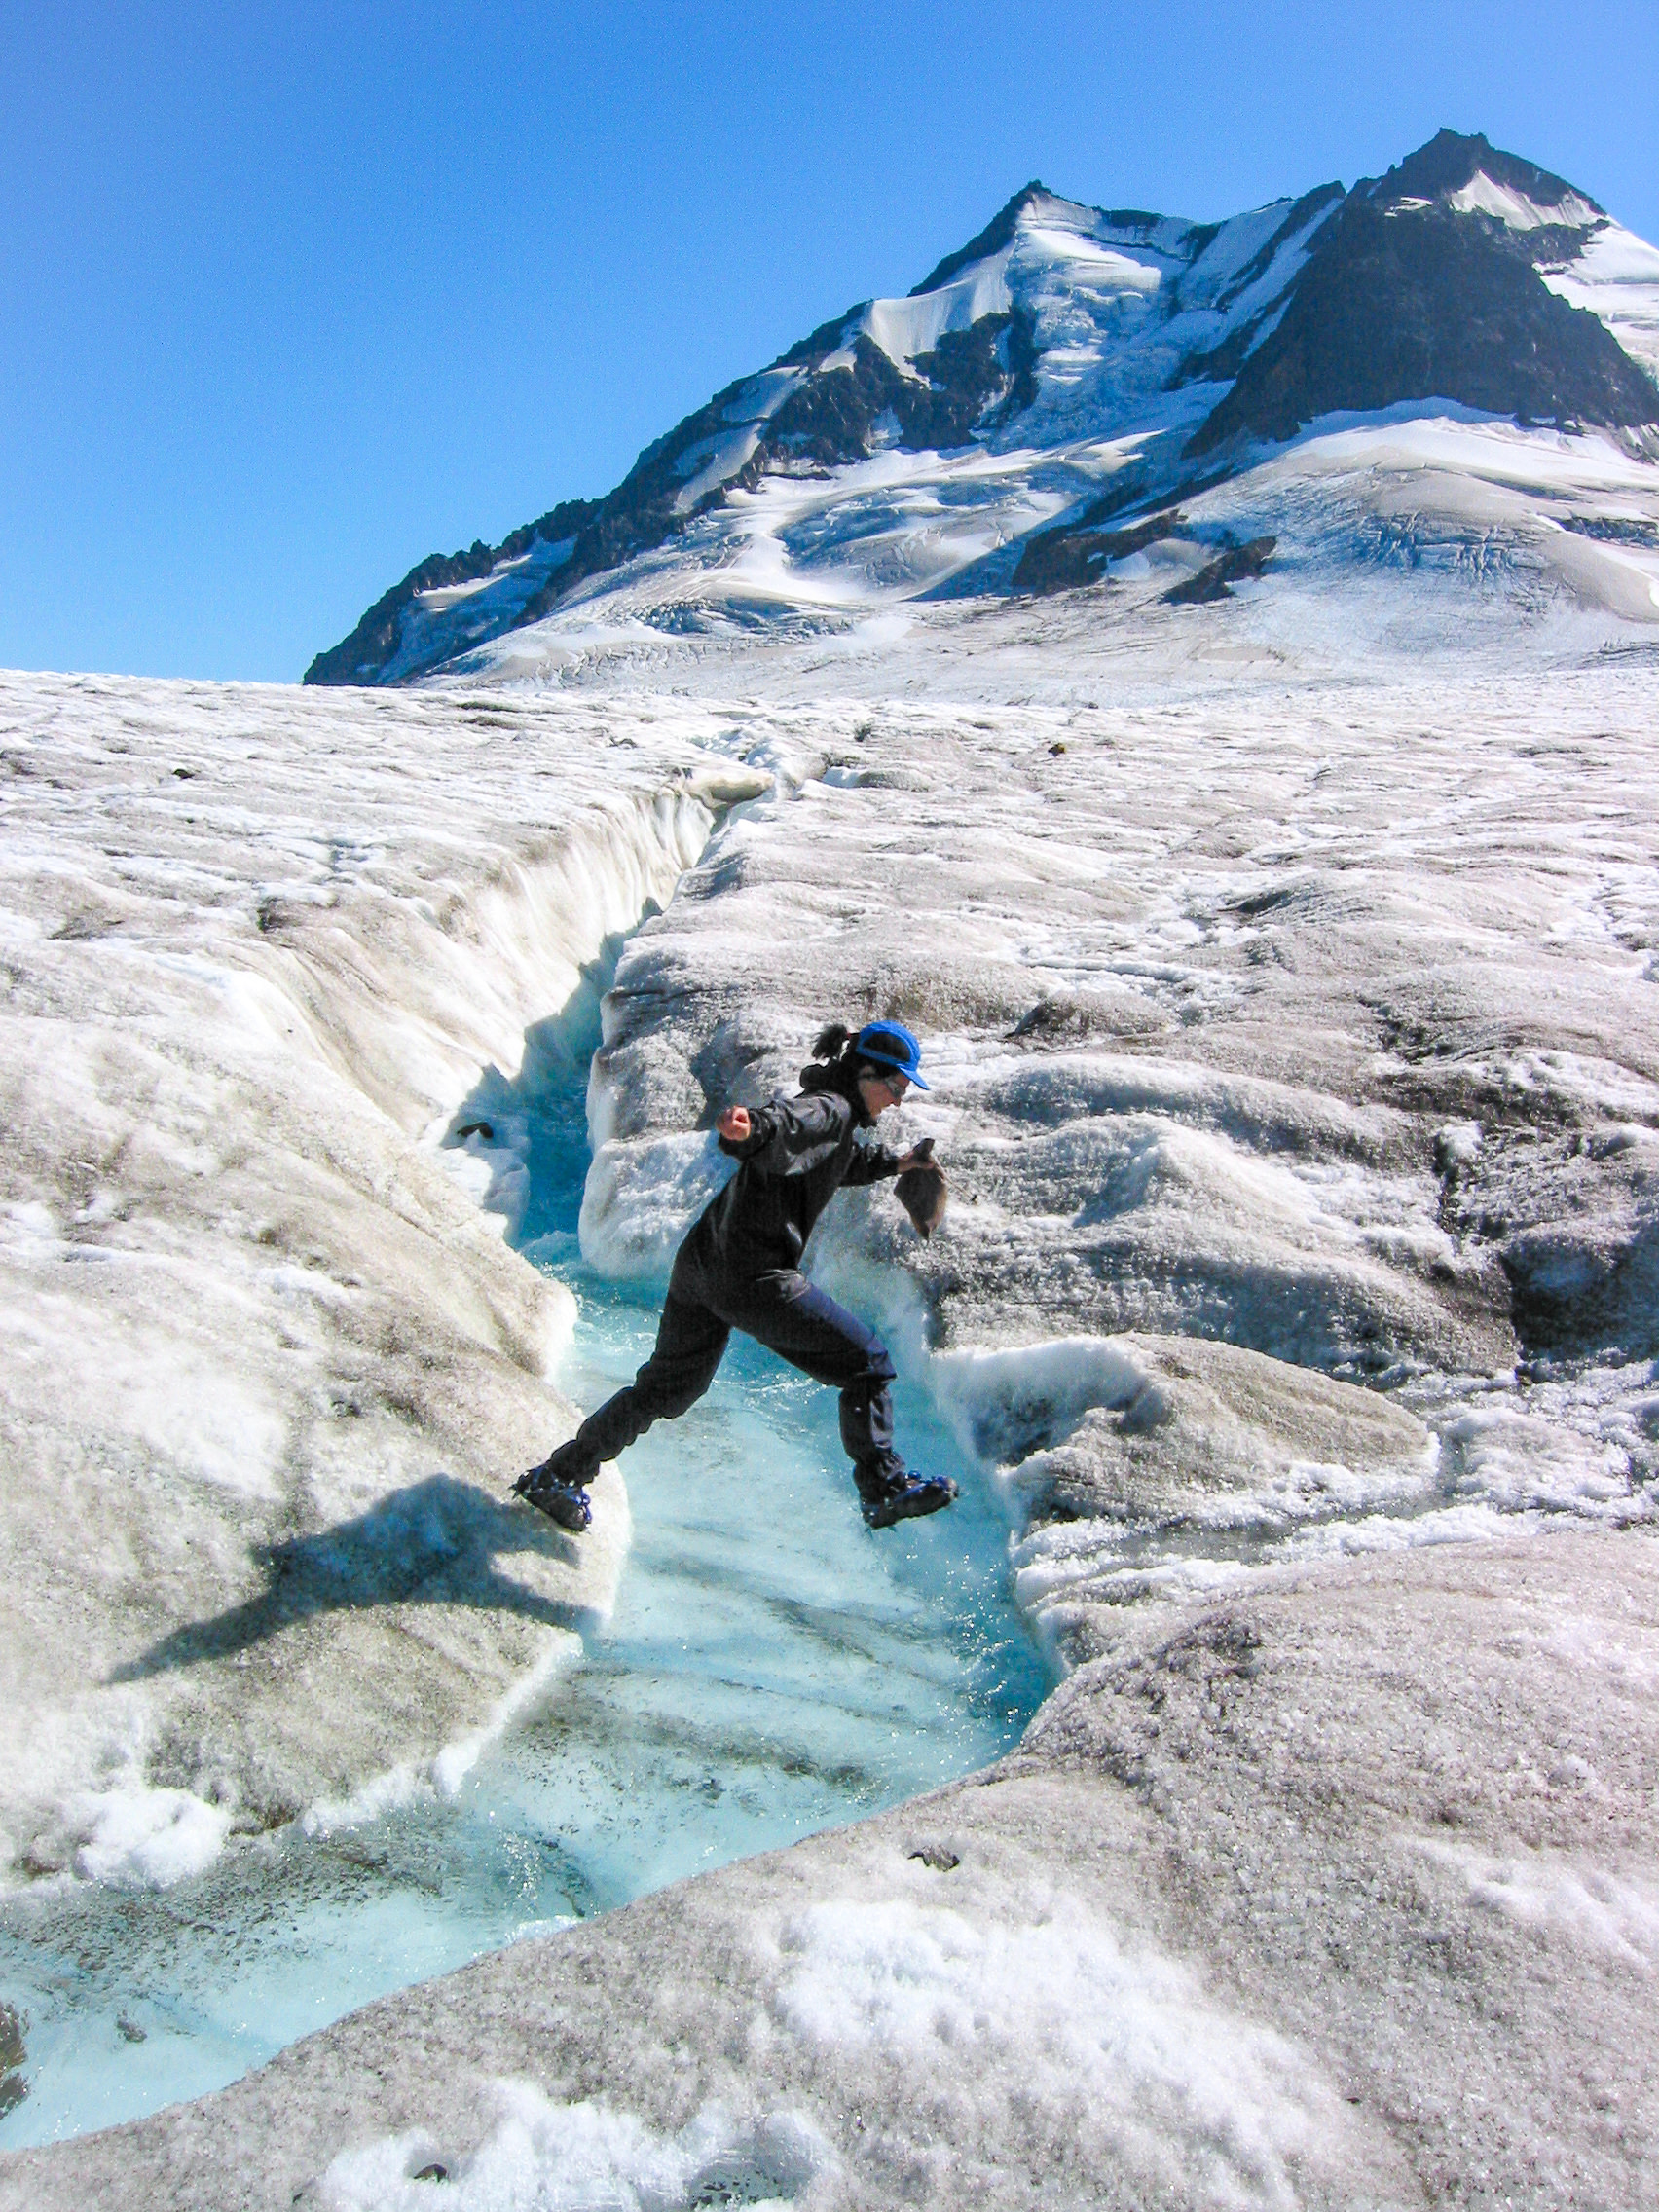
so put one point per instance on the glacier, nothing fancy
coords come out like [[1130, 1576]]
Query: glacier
[[1286, 1024], [1284, 953]]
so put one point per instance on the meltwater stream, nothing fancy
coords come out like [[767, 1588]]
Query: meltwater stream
[[772, 1669]]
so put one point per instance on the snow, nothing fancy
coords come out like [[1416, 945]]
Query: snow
[[444, 619], [1184, 2095], [1481, 195], [1616, 276], [906, 328], [715, 461], [152, 1838], [585, 2158], [762, 395], [1589, 1904], [1124, 314], [1427, 488], [442, 597]]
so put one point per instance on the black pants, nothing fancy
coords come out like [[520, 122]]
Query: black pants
[[792, 1317]]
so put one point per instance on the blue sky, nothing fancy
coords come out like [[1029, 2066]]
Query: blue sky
[[292, 296]]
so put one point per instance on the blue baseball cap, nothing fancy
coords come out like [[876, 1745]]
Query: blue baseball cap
[[890, 1045]]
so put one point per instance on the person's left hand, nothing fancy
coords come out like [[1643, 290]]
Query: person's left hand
[[734, 1125]]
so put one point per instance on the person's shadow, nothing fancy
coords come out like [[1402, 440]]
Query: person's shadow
[[434, 1543]]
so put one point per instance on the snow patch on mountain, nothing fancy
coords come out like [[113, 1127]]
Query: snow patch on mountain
[[1617, 278], [906, 328], [1514, 208]]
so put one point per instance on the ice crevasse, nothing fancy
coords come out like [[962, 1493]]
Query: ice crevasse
[[1246, 1116], [263, 1353]]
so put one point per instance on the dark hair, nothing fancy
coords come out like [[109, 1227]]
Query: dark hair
[[835, 1061]]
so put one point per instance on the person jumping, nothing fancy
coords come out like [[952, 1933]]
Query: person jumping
[[740, 1269]]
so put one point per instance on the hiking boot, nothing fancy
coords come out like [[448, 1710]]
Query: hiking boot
[[908, 1500], [558, 1487]]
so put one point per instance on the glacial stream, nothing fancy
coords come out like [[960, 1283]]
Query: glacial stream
[[772, 1669]]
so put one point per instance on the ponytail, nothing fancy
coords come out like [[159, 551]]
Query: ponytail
[[831, 1063]]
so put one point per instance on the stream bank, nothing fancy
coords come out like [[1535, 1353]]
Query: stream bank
[[771, 1669]]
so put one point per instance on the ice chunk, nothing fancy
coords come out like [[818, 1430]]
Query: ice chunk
[[151, 1839]]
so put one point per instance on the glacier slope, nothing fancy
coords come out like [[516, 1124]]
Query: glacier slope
[[262, 1354], [1341, 1893], [804, 587], [1289, 1004]]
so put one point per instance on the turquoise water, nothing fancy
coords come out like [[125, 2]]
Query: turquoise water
[[772, 1669]]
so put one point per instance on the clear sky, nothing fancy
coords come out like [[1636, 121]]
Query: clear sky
[[293, 295]]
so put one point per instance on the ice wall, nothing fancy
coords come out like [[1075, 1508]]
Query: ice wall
[[265, 1371], [1310, 1020]]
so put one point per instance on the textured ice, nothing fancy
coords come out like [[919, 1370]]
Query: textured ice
[[1286, 970], [583, 2158], [1327, 1891]]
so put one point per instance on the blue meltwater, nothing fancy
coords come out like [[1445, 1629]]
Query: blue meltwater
[[772, 1668]]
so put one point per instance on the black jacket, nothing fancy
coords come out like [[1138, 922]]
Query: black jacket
[[796, 1156]]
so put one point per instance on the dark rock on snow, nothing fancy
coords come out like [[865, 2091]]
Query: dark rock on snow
[[1237, 564], [1077, 553]]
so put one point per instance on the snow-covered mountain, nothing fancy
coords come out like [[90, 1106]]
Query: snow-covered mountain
[[1066, 393]]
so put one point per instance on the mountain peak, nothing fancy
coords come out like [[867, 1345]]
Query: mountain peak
[[991, 240], [1067, 365], [1448, 166]]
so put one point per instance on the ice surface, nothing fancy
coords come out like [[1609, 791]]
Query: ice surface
[[1588, 1904], [1284, 968], [1318, 1893], [585, 2158]]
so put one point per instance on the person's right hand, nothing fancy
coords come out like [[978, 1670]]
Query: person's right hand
[[734, 1125]]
